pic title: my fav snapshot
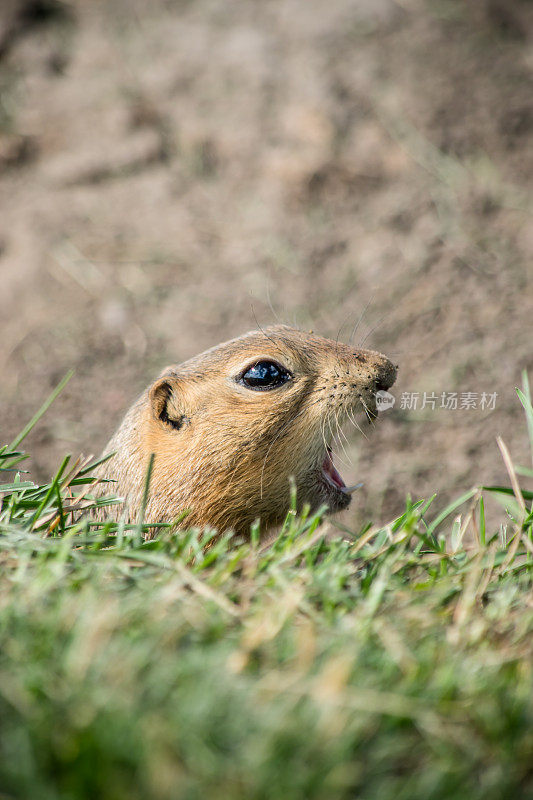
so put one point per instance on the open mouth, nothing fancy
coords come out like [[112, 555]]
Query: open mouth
[[333, 478]]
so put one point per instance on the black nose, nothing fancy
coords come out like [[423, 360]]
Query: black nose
[[386, 376]]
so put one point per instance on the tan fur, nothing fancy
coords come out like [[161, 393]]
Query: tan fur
[[230, 460]]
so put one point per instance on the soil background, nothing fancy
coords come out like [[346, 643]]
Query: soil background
[[173, 174]]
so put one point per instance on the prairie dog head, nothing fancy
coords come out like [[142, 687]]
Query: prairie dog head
[[230, 427]]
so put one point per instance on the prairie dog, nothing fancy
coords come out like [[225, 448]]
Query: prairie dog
[[231, 426]]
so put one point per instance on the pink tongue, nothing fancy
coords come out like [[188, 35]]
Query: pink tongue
[[331, 472]]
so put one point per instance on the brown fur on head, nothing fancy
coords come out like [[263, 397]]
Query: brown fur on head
[[225, 451]]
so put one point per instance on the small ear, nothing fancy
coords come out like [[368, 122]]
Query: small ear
[[164, 402]]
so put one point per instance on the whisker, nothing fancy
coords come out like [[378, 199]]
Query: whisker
[[347, 317], [333, 439], [371, 331], [270, 304], [270, 339], [371, 417], [352, 418], [361, 315], [341, 433], [274, 440], [323, 432]]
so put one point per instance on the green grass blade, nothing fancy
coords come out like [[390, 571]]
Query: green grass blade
[[139, 528], [450, 509], [43, 409], [482, 525], [50, 492], [507, 490]]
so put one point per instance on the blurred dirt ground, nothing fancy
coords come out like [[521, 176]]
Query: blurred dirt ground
[[174, 173]]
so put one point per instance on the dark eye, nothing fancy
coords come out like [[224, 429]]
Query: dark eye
[[264, 375]]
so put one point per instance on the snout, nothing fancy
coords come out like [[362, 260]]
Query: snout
[[385, 374], [379, 375], [379, 372]]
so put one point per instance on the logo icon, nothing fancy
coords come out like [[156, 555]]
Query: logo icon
[[384, 400]]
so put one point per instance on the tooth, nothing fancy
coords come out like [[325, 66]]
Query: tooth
[[350, 489]]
